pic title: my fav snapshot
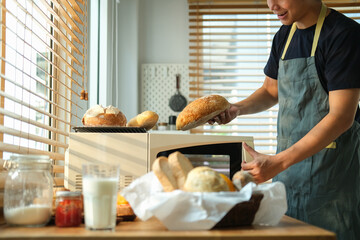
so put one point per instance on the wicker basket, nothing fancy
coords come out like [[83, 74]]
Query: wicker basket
[[242, 214]]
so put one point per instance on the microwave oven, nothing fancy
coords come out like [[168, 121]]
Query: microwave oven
[[136, 151]]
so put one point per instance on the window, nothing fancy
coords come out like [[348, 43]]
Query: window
[[230, 42], [43, 72]]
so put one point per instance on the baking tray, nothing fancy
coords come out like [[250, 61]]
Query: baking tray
[[109, 129]]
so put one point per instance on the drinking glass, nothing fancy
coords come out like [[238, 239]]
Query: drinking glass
[[100, 188]]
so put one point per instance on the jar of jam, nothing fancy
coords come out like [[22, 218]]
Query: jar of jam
[[68, 212]]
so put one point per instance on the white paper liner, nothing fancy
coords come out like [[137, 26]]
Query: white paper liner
[[179, 210]]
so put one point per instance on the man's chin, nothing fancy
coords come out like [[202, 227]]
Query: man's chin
[[287, 23]]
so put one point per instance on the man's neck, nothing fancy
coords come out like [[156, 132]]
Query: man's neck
[[310, 18]]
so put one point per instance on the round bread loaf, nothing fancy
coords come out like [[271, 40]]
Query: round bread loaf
[[146, 120], [201, 111], [103, 116], [205, 179]]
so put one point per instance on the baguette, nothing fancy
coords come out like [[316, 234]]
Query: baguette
[[163, 172], [180, 166], [146, 120], [201, 111]]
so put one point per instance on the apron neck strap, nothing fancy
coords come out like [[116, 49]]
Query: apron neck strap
[[319, 25], [291, 34]]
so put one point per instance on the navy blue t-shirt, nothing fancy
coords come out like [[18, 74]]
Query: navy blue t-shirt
[[337, 57]]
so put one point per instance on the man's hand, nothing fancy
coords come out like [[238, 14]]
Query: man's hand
[[226, 116], [262, 167]]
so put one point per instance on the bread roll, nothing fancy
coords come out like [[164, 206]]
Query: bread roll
[[205, 179], [180, 167], [241, 178], [124, 210], [146, 120], [201, 111], [163, 172], [103, 116]]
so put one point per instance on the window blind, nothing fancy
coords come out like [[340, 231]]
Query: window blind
[[43, 76], [230, 42]]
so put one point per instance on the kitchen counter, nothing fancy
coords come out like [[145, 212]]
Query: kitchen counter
[[288, 228]]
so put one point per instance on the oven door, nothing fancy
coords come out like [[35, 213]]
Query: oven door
[[225, 158]]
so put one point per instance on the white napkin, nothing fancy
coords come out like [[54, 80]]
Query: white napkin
[[179, 210]]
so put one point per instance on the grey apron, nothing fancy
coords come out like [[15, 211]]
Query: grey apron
[[323, 190]]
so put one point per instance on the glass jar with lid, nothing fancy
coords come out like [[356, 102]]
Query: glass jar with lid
[[28, 191], [172, 122], [68, 212], [162, 126]]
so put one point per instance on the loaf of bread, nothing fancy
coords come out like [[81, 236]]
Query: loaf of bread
[[124, 210], [98, 116], [205, 179], [177, 172], [162, 171], [180, 166], [146, 120], [201, 111], [241, 178]]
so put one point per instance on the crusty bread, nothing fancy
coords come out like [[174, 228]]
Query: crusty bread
[[241, 178], [146, 120], [205, 179], [180, 166], [105, 120], [103, 116], [163, 172], [124, 210], [201, 111]]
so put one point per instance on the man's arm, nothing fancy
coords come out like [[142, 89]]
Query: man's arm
[[343, 105], [263, 98]]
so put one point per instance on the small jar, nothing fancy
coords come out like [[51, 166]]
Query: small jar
[[162, 126], [28, 191], [172, 122], [68, 211]]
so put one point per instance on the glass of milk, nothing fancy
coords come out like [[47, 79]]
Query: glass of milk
[[100, 188]]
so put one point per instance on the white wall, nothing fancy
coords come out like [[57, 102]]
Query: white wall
[[149, 31], [164, 39], [128, 53], [163, 31], [163, 34]]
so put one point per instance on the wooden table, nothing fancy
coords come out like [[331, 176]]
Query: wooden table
[[288, 228]]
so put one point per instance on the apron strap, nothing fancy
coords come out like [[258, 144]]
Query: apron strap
[[331, 145], [319, 25], [291, 34]]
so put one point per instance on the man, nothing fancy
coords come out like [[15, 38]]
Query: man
[[314, 74]]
